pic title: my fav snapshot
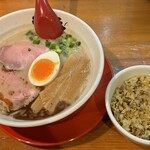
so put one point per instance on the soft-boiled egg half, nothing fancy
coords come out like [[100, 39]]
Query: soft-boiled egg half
[[44, 68]]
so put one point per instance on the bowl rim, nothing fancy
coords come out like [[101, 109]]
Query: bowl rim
[[68, 112], [108, 107]]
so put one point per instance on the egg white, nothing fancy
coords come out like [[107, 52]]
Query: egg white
[[54, 57]]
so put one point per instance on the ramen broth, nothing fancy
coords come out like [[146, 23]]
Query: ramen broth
[[63, 91]]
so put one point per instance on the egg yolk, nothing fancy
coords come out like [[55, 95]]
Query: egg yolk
[[42, 69]]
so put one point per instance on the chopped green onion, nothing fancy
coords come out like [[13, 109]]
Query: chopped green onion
[[52, 46], [65, 44], [71, 45], [47, 43], [30, 33], [68, 36], [58, 50], [78, 43], [36, 41], [31, 38]]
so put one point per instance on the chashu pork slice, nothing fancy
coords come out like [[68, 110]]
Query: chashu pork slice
[[18, 56], [15, 91]]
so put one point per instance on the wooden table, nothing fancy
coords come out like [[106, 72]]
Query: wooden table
[[123, 27]]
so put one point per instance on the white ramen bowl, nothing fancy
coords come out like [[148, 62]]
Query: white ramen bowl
[[94, 48], [117, 81]]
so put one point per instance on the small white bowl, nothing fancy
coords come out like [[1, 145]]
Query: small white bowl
[[115, 82], [94, 48]]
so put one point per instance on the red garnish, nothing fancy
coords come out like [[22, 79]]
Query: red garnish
[[46, 22]]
